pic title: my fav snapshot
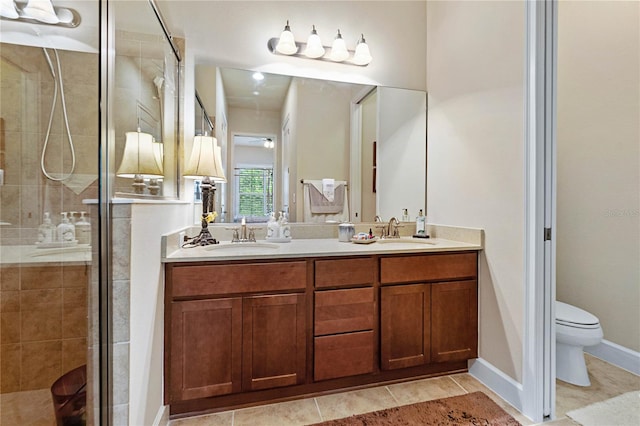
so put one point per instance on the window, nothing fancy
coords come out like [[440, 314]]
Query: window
[[254, 193]]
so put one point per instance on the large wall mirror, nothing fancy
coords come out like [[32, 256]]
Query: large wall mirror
[[282, 136], [145, 104]]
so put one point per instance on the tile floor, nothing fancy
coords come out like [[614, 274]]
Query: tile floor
[[35, 408]]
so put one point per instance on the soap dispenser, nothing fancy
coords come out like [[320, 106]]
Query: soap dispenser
[[405, 215], [46, 231], [66, 230], [273, 229], [83, 229], [421, 228]]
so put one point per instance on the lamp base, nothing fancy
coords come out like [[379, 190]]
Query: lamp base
[[204, 238]]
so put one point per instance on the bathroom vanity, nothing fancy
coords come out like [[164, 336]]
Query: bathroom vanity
[[257, 324]]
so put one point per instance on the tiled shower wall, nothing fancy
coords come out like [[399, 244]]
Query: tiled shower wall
[[43, 311], [43, 308], [27, 90]]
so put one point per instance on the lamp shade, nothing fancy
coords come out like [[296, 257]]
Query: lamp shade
[[139, 157], [362, 55], [339, 50], [158, 154], [286, 44], [314, 47], [205, 160]]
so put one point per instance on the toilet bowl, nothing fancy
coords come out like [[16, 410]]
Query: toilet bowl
[[575, 329]]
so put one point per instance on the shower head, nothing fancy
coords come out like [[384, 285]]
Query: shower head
[[158, 81]]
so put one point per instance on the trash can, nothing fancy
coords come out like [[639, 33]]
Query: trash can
[[70, 397]]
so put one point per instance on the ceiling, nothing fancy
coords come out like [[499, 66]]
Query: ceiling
[[243, 91]]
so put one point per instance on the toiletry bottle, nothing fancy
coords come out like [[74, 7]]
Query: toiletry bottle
[[272, 227], [405, 215], [285, 228], [83, 230], [66, 231], [46, 231], [421, 228]]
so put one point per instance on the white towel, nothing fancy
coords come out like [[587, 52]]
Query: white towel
[[328, 189]]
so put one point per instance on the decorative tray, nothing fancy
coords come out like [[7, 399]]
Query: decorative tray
[[367, 241]]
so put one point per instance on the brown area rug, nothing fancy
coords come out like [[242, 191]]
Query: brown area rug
[[470, 409]]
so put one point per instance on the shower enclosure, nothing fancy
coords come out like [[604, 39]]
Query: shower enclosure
[[61, 309]]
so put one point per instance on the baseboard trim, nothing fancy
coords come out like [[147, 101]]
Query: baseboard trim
[[162, 416], [507, 388], [617, 355]]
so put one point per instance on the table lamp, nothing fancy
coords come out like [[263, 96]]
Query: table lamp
[[139, 160], [205, 163]]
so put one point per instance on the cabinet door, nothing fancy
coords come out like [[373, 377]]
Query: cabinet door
[[454, 321], [206, 348], [404, 322], [274, 341]]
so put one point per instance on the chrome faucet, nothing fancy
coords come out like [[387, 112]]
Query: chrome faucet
[[243, 234], [377, 219], [393, 232]]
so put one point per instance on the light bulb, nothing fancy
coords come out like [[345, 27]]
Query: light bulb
[[286, 44], [339, 50], [362, 55], [314, 45]]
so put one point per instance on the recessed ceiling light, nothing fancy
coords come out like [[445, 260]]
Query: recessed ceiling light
[[258, 76], [255, 92]]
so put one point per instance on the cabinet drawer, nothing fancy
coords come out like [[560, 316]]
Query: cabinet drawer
[[433, 267], [345, 272], [341, 311], [238, 278], [343, 355]]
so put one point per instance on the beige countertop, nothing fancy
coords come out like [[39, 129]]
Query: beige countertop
[[313, 247], [31, 255]]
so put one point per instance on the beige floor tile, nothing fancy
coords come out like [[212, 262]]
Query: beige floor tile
[[563, 421], [219, 419], [290, 413], [425, 390], [607, 381], [470, 384], [346, 404]]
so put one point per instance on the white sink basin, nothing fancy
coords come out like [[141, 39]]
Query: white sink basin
[[258, 246], [405, 240]]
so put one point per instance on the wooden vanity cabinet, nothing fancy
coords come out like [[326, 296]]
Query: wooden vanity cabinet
[[206, 348], [244, 332], [405, 326], [429, 309], [220, 345], [344, 318]]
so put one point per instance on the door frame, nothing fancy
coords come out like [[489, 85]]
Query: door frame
[[538, 387]]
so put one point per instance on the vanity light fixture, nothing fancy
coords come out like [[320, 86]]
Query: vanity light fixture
[[286, 43], [39, 12], [314, 45], [314, 49], [339, 50], [362, 55]]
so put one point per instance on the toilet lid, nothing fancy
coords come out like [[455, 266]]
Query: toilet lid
[[570, 314]]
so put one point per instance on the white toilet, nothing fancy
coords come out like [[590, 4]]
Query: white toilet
[[575, 329]]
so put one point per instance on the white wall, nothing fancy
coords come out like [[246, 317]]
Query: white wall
[[598, 221], [235, 33], [475, 82], [322, 133], [148, 222], [402, 152]]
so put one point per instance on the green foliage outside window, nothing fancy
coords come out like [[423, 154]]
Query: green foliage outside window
[[255, 192]]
